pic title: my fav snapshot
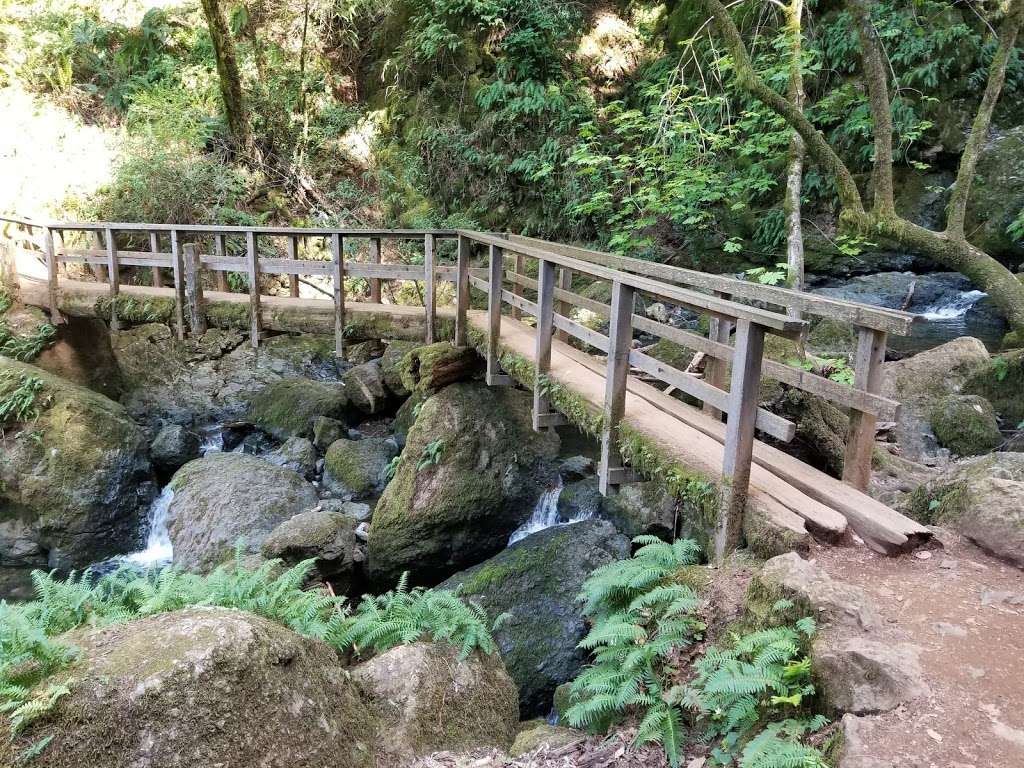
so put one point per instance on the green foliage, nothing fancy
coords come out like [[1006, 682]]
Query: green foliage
[[769, 276], [431, 455], [26, 348], [392, 467], [22, 394], [832, 368]]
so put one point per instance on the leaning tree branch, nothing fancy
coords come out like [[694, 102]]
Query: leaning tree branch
[[957, 211], [749, 80], [877, 76]]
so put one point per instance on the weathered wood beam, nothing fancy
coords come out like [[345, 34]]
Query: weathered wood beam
[[860, 439], [620, 341]]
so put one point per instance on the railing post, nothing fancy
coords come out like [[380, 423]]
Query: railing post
[[255, 318], [375, 281], [716, 370], [430, 276], [114, 276], [220, 247], [496, 270], [338, 278], [739, 435], [179, 282], [564, 308], [542, 413], [462, 293], [154, 248], [860, 439], [53, 289], [519, 266], [620, 341], [99, 271], [293, 254], [194, 290]]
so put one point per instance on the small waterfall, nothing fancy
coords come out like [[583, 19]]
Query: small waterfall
[[955, 308], [158, 549], [545, 515], [213, 440]]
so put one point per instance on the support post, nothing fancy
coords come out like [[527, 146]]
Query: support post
[[860, 439], [542, 413], [517, 289], [220, 247], [255, 318], [178, 269], [154, 248], [462, 293], [715, 370], [194, 290], [293, 253], [430, 295], [739, 435], [99, 271], [53, 289], [564, 308], [620, 340], [375, 281], [338, 275], [495, 377], [114, 277]]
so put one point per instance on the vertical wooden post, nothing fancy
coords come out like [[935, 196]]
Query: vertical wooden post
[[154, 248], [375, 281], [293, 253], [220, 247], [53, 289], [496, 270], [99, 271], [255, 318], [542, 414], [179, 282], [620, 341], [860, 439], [114, 276], [564, 307], [430, 275], [715, 370], [462, 293], [739, 435], [194, 290], [517, 289], [338, 274]]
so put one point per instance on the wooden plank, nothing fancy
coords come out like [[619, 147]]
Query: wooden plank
[[114, 278], [375, 281], [220, 247], [52, 287], [739, 435], [208, 229], [620, 341], [275, 266], [494, 375], [716, 370], [430, 295], [544, 331], [461, 294], [880, 318], [194, 290], [563, 307], [178, 270], [293, 254], [581, 332], [154, 248], [860, 438], [338, 279], [382, 271], [253, 269], [222, 264]]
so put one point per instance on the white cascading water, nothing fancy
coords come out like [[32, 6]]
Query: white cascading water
[[158, 549], [544, 515], [956, 308]]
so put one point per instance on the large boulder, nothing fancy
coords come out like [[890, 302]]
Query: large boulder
[[323, 534], [203, 687], [919, 381], [1001, 382], [173, 447], [355, 469], [435, 366], [75, 482], [227, 498], [297, 454], [430, 699], [983, 499], [365, 388], [995, 194], [290, 407], [536, 582], [391, 366], [966, 425], [864, 676], [471, 471]]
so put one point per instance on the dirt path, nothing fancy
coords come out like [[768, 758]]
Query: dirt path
[[966, 612]]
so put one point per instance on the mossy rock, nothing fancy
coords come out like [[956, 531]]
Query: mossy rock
[[821, 429], [534, 734], [290, 407], [831, 338], [364, 385], [966, 425], [1013, 340], [671, 353], [471, 470], [355, 469], [432, 367], [536, 581], [391, 366], [1001, 382]]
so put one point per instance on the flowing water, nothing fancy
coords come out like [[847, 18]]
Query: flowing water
[[158, 549], [545, 515]]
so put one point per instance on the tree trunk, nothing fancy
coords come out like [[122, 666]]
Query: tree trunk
[[228, 75], [795, 171]]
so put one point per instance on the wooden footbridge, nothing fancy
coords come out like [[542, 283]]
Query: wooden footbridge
[[529, 284]]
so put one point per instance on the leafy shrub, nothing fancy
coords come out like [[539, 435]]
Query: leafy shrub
[[19, 396]]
